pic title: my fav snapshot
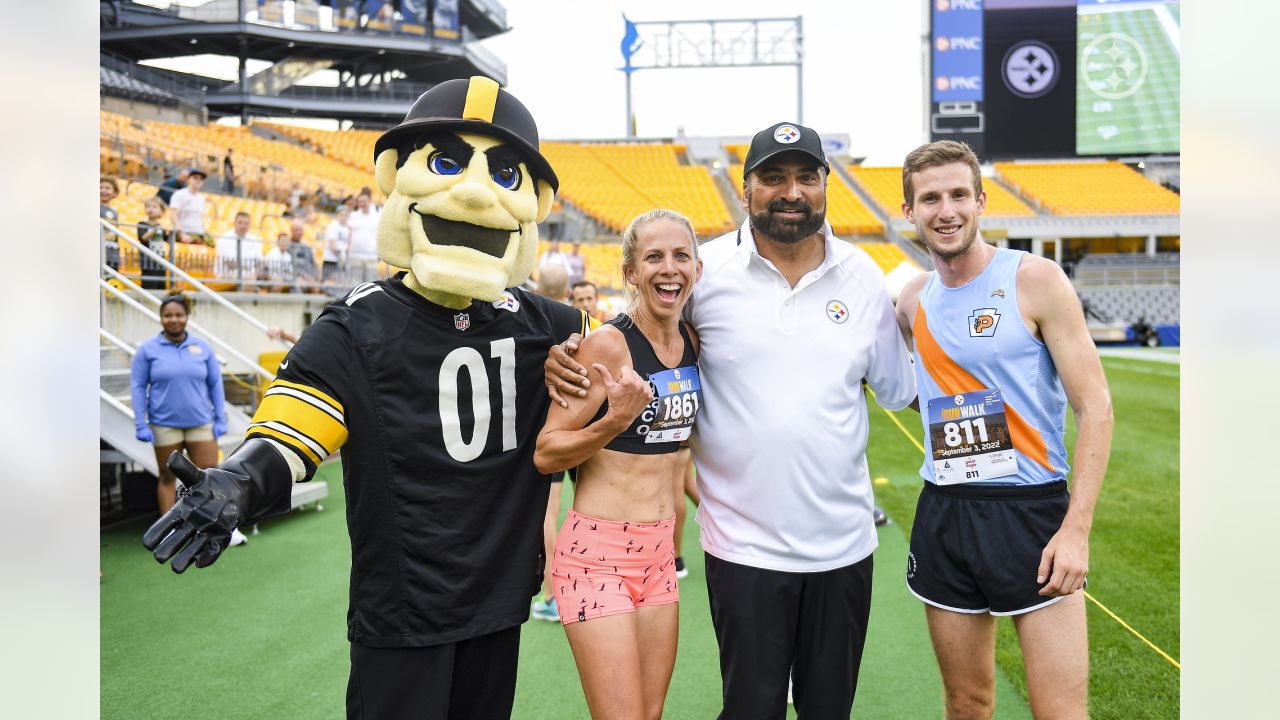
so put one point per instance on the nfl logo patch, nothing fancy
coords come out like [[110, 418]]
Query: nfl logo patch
[[462, 321]]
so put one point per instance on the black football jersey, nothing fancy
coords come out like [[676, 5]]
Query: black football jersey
[[437, 412]]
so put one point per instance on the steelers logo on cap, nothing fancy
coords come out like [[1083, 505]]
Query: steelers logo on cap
[[786, 134]]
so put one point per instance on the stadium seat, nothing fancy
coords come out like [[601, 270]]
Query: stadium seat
[[1089, 188]]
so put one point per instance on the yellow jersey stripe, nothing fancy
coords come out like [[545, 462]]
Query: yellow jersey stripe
[[304, 416], [310, 391], [286, 438], [308, 398]]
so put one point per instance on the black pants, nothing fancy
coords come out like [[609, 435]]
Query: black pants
[[473, 678], [772, 624]]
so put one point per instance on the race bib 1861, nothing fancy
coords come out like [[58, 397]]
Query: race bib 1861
[[675, 403], [970, 437]]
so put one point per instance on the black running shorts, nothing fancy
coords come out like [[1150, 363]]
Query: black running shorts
[[976, 548]]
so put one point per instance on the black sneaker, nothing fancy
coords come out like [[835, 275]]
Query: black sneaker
[[878, 515], [681, 571]]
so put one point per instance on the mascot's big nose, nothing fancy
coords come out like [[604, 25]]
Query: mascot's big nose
[[472, 195]]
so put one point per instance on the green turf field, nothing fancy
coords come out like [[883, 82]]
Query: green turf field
[[1136, 109], [261, 634]]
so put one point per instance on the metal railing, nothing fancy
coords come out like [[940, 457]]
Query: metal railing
[[348, 16], [247, 270], [199, 287]]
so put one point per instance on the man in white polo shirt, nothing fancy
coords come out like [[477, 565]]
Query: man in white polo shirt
[[791, 320]]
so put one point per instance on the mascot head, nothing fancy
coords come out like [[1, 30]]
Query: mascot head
[[466, 187]]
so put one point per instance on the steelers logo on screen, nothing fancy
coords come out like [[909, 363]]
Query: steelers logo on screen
[[1030, 69]]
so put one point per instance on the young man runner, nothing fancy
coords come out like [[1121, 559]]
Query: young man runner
[[1001, 347]]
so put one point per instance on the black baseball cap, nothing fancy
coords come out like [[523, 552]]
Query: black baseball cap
[[782, 138], [197, 171], [476, 104]]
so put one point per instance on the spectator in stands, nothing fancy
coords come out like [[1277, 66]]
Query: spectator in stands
[[279, 265], [337, 241], [305, 271], [364, 237], [170, 185], [228, 174], [586, 297], [306, 209], [553, 282], [553, 256], [577, 265], [158, 237], [108, 190], [240, 253], [178, 399], [295, 196], [188, 210], [322, 199]]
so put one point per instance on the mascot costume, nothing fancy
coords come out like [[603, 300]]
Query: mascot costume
[[431, 383]]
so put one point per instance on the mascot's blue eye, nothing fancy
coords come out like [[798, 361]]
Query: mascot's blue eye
[[442, 164], [507, 177]]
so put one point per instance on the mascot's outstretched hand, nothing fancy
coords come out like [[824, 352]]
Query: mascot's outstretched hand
[[255, 482]]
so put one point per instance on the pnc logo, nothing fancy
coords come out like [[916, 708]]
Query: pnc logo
[[983, 322], [958, 43]]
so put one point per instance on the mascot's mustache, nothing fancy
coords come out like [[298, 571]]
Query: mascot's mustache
[[490, 241]]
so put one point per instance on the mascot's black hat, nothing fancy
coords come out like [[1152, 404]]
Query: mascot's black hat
[[477, 105]]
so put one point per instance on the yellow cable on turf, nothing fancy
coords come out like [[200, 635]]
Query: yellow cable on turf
[[1091, 598], [1136, 634]]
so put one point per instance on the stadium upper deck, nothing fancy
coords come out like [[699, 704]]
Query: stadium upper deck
[[386, 53]]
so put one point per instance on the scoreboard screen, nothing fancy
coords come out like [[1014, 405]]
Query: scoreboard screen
[[1056, 78], [1127, 98]]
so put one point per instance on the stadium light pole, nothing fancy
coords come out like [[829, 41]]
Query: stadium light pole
[[689, 44]]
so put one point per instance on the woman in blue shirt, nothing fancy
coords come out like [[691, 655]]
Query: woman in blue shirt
[[178, 401]]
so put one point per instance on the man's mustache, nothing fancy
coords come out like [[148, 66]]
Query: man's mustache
[[781, 206]]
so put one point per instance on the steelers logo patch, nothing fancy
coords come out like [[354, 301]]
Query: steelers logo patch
[[837, 312], [786, 134]]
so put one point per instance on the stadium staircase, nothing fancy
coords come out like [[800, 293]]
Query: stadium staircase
[[891, 234], [116, 414]]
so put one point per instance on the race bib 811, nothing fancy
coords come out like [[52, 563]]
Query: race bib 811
[[970, 437]]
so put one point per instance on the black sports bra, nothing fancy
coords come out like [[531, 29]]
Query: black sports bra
[[677, 396]]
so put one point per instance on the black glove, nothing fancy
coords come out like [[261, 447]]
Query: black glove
[[255, 482]]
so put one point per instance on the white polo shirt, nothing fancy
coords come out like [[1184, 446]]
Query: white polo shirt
[[780, 443]]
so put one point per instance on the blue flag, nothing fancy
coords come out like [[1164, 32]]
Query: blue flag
[[631, 42]]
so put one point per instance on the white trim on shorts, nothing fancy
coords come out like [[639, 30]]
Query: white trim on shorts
[[927, 601], [988, 610], [1024, 611]]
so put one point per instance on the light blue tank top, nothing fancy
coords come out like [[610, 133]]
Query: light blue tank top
[[969, 341]]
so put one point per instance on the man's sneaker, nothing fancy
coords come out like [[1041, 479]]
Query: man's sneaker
[[878, 515], [681, 570], [545, 610], [237, 537]]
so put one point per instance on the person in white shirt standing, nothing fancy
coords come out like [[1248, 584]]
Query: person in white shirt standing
[[363, 255], [188, 210], [792, 320], [279, 265], [337, 241], [240, 253]]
